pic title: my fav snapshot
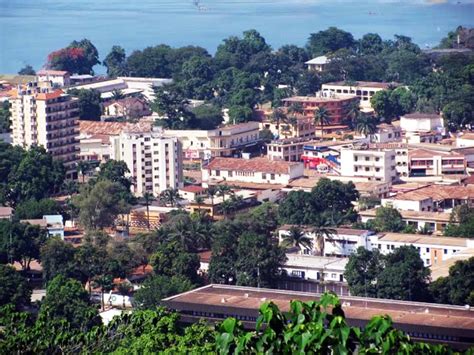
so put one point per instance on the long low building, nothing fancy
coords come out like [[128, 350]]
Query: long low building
[[453, 325]]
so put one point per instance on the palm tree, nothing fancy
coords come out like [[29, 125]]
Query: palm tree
[[278, 115], [322, 117], [148, 198], [322, 230], [170, 196], [223, 190], [199, 200], [297, 238], [105, 283], [366, 125], [353, 113], [211, 192], [82, 167], [124, 288], [117, 94]]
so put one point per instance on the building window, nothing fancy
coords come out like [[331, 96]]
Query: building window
[[272, 176], [264, 176], [427, 250], [367, 158], [445, 251], [218, 173]]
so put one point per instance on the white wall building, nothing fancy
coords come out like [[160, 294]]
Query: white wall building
[[343, 243], [154, 161], [47, 117], [256, 171], [219, 142], [317, 64], [362, 89], [421, 122], [315, 267], [372, 164], [58, 78], [432, 250]]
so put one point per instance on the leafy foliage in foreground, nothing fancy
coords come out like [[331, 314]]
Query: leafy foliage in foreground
[[312, 327]]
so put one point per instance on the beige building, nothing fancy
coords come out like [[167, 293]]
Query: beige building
[[154, 160], [256, 171], [362, 89], [46, 117], [290, 149], [372, 164], [58, 78], [225, 141]]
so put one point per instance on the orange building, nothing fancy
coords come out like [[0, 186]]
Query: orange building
[[338, 107]]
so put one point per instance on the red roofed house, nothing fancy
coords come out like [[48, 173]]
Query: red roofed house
[[191, 192], [256, 170]]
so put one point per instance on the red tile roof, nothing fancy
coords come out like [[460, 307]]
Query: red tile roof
[[193, 188], [252, 165], [52, 72], [50, 95], [113, 128]]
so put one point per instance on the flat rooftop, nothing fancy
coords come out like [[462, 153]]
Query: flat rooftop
[[317, 99], [425, 240], [363, 84], [232, 298]]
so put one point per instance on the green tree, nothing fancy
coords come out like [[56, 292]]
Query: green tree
[[148, 199], [329, 40], [208, 116], [322, 231], [89, 104], [404, 276], [170, 197], [366, 125], [224, 252], [362, 271], [370, 43], [322, 117], [172, 106], [57, 258], [157, 287], [105, 283], [15, 289], [259, 259], [239, 114], [115, 62], [458, 286], [27, 70], [5, 117], [21, 242], [388, 219], [297, 208], [36, 176], [66, 300], [115, 171], [124, 288], [170, 259], [33, 209], [297, 238], [99, 205], [79, 57]]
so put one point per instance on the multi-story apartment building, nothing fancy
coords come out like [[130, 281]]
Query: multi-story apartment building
[[154, 160], [364, 90], [290, 149], [401, 156], [225, 141], [337, 106], [46, 117], [372, 164]]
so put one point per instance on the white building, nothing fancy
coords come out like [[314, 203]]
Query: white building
[[421, 122], [58, 78], [315, 267], [466, 139], [386, 133], [255, 171], [362, 89], [154, 161], [372, 164], [46, 117], [318, 64], [433, 250], [341, 244], [224, 141]]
